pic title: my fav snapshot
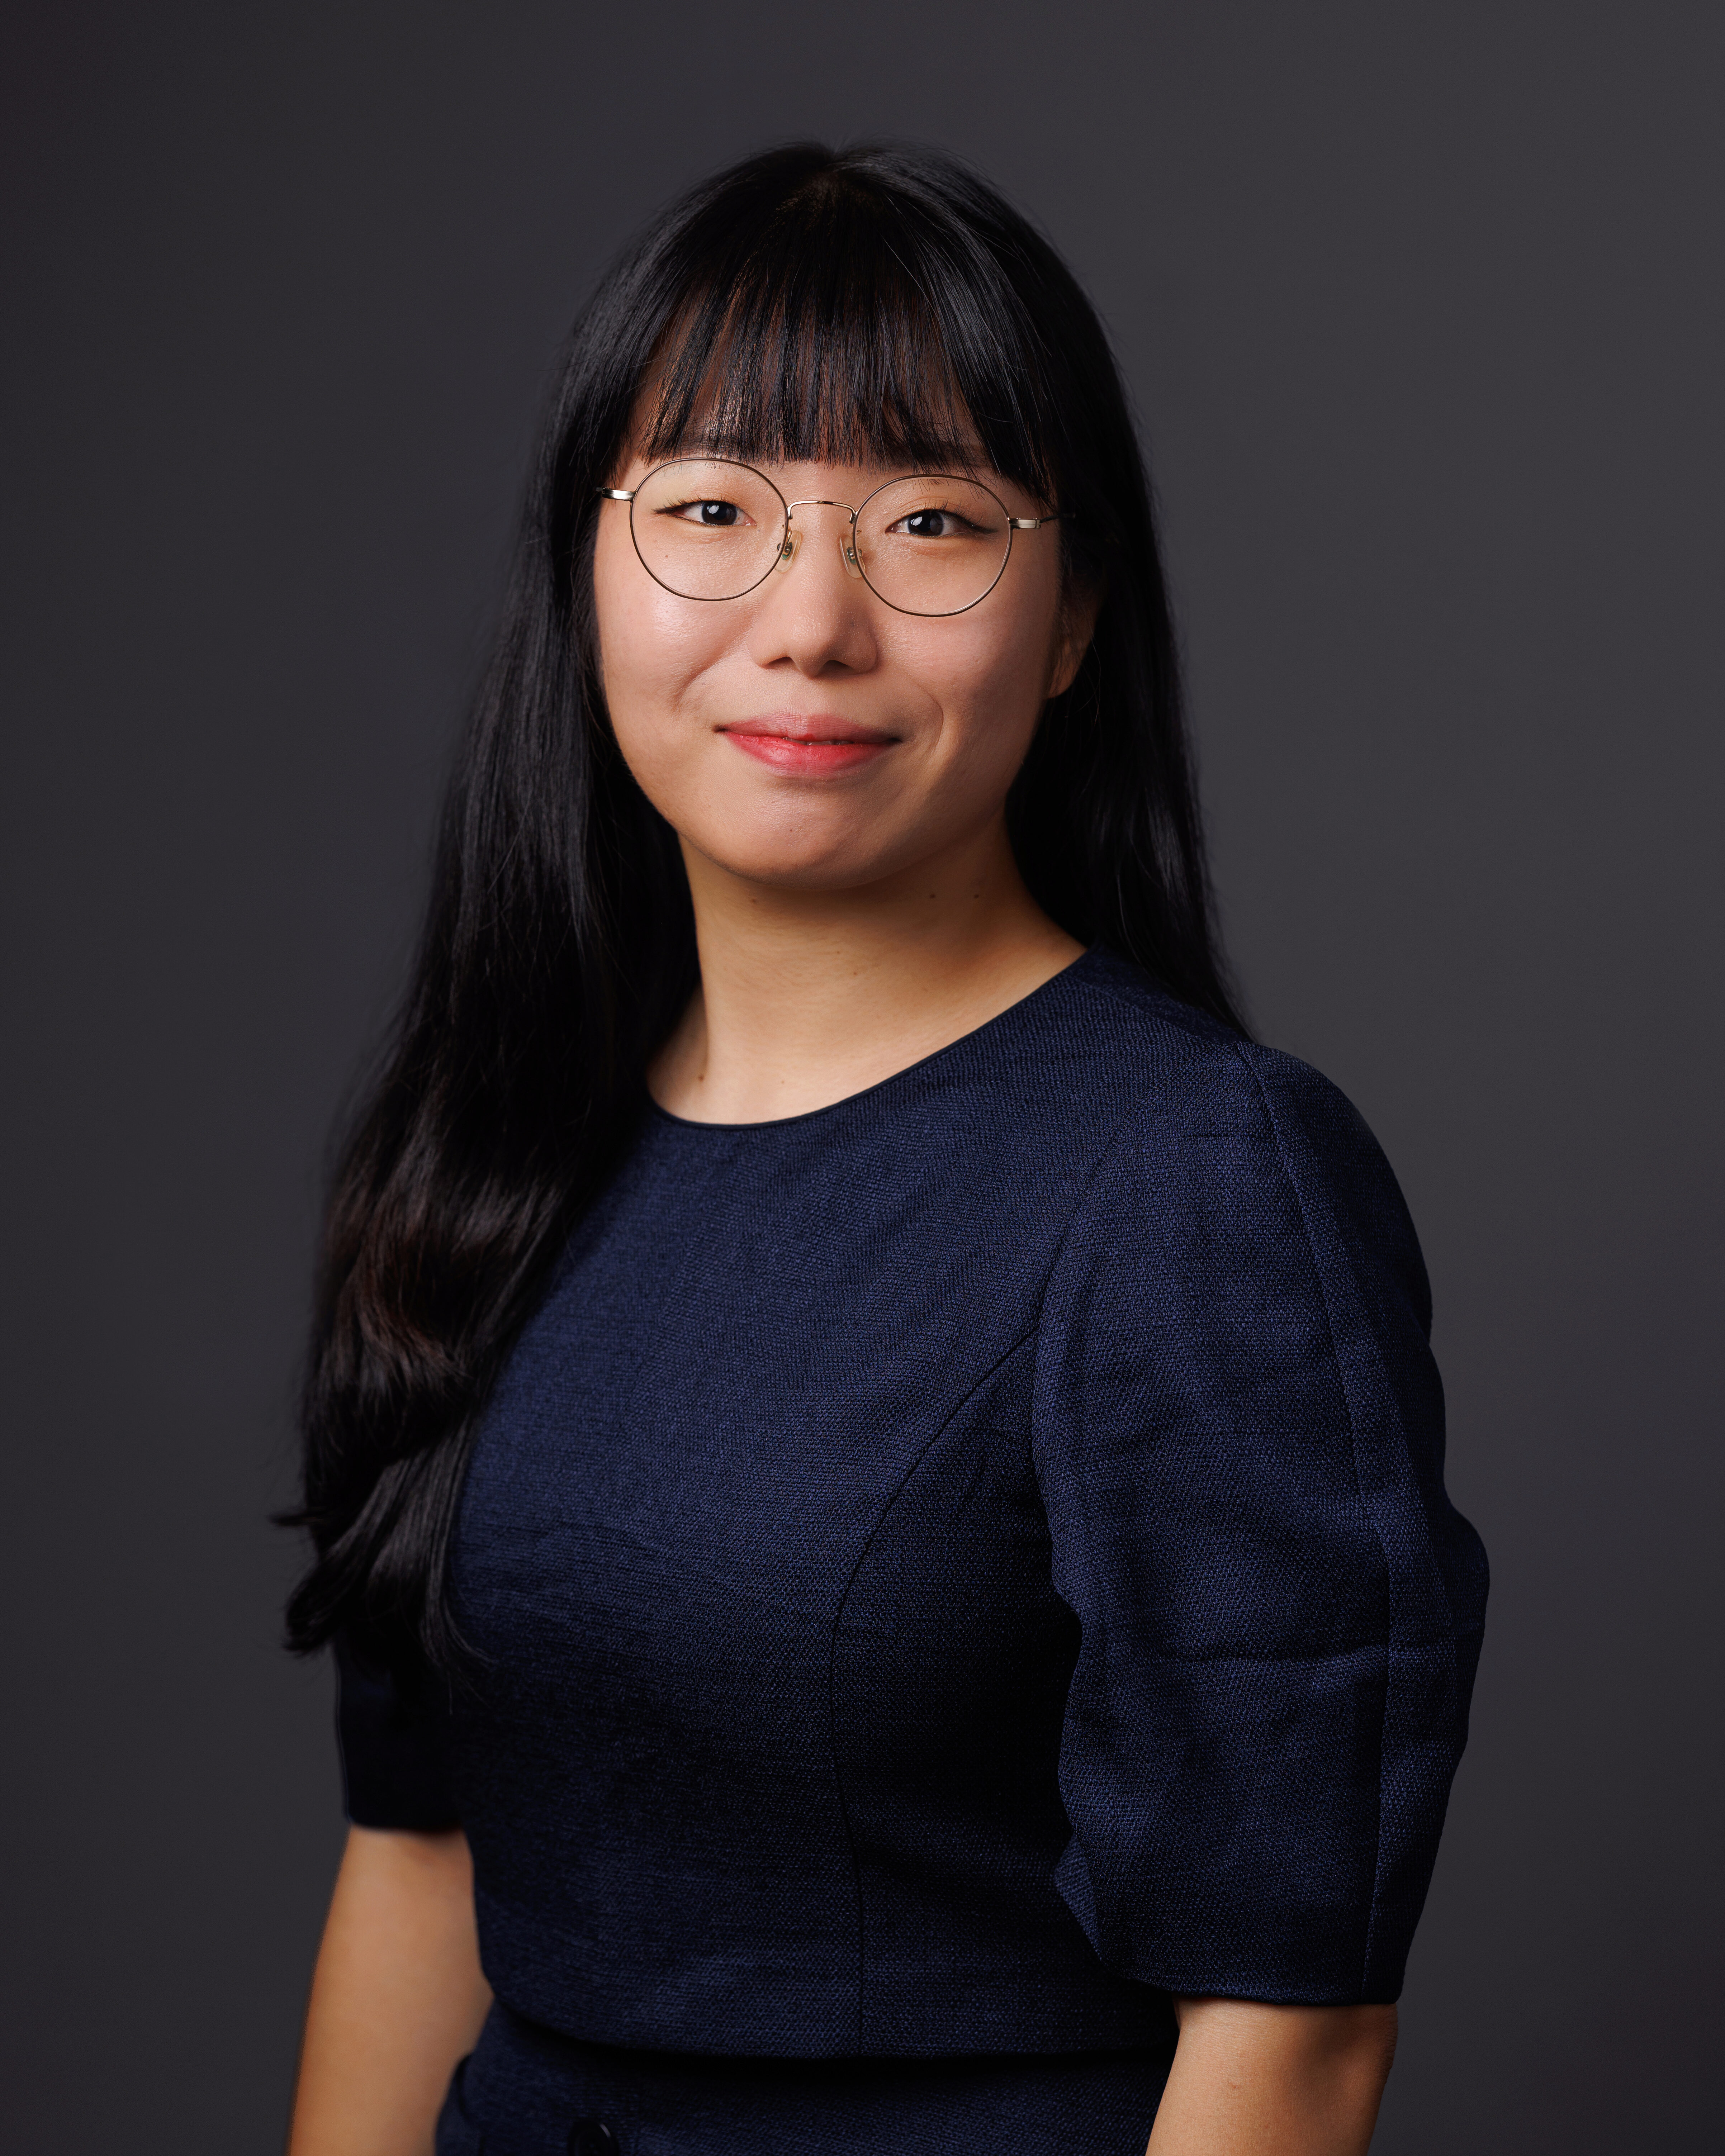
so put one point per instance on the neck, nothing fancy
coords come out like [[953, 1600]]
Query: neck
[[809, 996]]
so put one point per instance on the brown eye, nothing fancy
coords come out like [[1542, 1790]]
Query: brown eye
[[933, 524], [712, 516]]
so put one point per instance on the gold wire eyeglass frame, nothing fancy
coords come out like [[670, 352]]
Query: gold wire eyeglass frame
[[787, 548]]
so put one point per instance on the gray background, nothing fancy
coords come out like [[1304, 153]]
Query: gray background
[[1422, 310]]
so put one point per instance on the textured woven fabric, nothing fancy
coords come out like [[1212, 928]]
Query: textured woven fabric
[[960, 1565], [527, 2092]]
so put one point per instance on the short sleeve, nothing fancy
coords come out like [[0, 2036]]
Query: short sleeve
[[1239, 1434], [393, 1753]]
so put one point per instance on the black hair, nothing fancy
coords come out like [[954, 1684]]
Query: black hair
[[867, 303]]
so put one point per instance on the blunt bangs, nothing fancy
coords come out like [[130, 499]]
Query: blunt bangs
[[847, 324]]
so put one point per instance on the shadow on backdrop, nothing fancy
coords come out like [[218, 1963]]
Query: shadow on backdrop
[[1424, 319]]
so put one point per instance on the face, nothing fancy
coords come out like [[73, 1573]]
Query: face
[[808, 735]]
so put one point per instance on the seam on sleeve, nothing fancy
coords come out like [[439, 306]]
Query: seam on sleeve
[[1152, 1099], [1104, 1159], [1389, 1576]]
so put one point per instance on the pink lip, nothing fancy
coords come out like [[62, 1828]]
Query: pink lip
[[805, 745]]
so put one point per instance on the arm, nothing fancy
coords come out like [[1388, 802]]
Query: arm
[[397, 1998], [1249, 2080], [1239, 1439]]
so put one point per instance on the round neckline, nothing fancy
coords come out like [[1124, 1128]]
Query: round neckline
[[892, 1077]]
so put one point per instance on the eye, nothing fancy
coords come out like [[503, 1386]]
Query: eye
[[934, 524], [709, 515]]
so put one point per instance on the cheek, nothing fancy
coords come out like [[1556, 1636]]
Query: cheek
[[987, 676], [654, 650]]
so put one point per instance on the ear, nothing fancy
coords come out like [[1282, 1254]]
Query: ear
[[1079, 605]]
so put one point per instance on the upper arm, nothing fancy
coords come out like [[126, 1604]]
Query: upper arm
[[1239, 1439]]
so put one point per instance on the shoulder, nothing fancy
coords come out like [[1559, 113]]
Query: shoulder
[[1168, 1066], [1217, 1138]]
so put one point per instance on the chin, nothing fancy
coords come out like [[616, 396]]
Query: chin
[[798, 868], [804, 844]]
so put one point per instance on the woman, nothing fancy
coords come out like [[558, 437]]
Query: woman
[[874, 1464]]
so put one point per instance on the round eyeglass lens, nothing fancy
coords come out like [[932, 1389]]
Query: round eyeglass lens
[[932, 544], [706, 528]]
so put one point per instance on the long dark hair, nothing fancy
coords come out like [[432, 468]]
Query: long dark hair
[[862, 305]]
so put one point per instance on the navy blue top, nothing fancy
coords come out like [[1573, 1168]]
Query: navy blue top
[[960, 1565]]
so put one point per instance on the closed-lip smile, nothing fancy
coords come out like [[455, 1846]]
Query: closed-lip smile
[[806, 744]]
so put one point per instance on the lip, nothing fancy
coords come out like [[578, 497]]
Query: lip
[[809, 745]]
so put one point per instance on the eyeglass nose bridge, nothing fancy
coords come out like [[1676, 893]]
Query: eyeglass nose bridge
[[847, 544]]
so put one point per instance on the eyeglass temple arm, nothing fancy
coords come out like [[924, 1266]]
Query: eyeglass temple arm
[[616, 493]]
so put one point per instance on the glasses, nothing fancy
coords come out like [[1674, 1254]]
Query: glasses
[[711, 528]]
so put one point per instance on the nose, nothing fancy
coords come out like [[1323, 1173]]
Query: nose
[[846, 534], [819, 620]]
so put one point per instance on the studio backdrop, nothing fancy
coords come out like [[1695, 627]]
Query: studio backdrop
[[1421, 311]]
